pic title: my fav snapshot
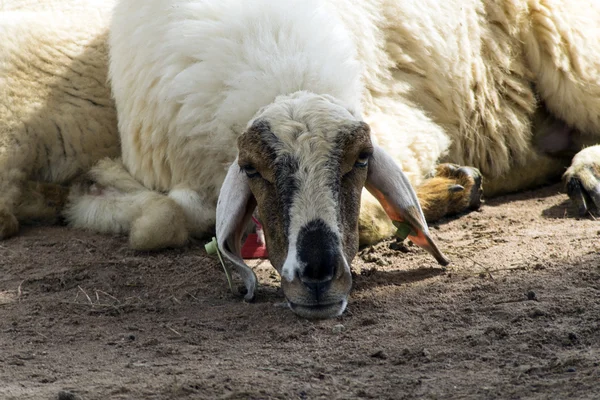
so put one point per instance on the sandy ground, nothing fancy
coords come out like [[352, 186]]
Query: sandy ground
[[515, 316]]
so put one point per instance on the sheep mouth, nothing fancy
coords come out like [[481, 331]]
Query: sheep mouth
[[319, 311]]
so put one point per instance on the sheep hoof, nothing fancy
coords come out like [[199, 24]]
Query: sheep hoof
[[452, 190], [468, 177], [9, 226], [582, 181]]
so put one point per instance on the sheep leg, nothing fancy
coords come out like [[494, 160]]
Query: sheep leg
[[374, 225], [452, 190], [109, 200], [9, 225], [41, 202], [11, 191], [582, 180], [200, 214], [14, 170]]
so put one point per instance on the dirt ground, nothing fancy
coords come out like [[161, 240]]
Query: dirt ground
[[515, 316]]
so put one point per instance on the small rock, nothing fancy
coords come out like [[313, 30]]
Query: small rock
[[131, 337], [66, 395], [573, 338], [339, 328], [571, 369], [531, 295], [368, 322], [379, 354], [536, 313], [382, 262], [399, 246], [427, 354], [26, 356], [524, 368]]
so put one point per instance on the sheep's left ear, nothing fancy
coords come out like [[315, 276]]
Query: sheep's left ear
[[387, 182], [234, 210]]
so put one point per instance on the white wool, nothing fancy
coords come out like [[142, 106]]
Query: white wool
[[56, 115], [191, 77]]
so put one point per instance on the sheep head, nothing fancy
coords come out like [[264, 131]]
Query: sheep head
[[303, 161]]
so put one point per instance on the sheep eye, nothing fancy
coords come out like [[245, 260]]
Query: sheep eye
[[250, 171], [363, 159]]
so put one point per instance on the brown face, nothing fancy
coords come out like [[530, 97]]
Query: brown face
[[307, 180]]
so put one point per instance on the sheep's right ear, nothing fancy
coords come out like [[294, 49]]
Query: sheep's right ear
[[234, 210], [391, 187]]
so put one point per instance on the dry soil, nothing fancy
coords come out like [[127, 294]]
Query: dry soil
[[516, 315]]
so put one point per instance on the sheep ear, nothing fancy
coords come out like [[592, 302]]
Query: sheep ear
[[391, 187], [234, 210]]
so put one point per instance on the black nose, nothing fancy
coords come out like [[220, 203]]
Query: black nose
[[318, 251], [317, 288]]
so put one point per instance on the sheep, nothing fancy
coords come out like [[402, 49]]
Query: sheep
[[57, 117], [191, 79], [323, 98]]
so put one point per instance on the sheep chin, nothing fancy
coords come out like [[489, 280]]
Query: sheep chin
[[320, 311]]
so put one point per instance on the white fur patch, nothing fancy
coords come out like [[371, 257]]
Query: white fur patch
[[202, 69], [342, 308], [198, 215], [291, 264]]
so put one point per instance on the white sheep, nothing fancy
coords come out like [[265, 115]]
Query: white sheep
[[56, 115], [491, 84], [288, 81]]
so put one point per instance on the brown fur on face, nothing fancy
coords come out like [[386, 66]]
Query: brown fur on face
[[257, 153], [353, 180], [272, 179]]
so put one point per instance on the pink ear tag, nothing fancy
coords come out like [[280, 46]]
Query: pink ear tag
[[255, 246]]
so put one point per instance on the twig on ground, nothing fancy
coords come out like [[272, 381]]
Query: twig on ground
[[99, 307], [42, 335], [86, 243], [9, 249], [20, 290], [192, 296], [173, 330], [86, 295], [107, 295], [486, 269], [489, 271]]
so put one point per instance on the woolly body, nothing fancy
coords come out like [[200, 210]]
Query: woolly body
[[435, 82], [456, 81], [56, 115]]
